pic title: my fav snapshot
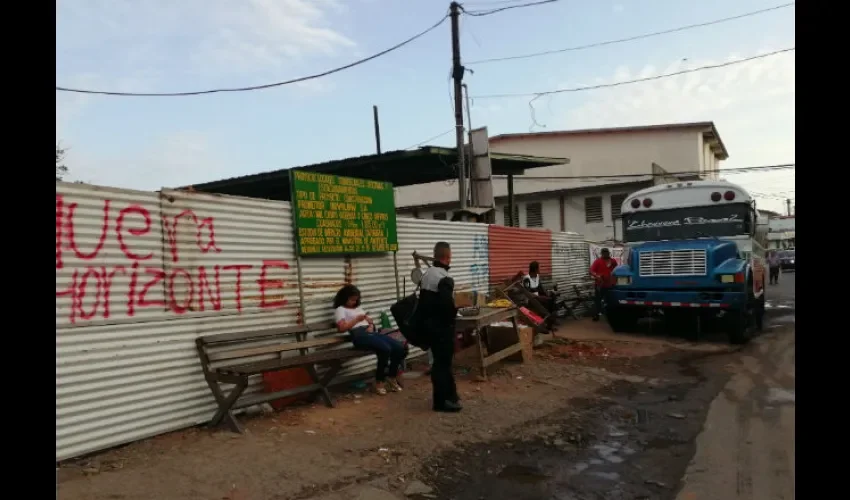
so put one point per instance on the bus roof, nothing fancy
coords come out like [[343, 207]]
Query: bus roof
[[685, 194]]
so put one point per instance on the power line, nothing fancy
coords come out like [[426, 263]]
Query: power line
[[493, 2], [633, 38], [501, 9], [264, 86], [637, 80], [739, 170], [429, 139]]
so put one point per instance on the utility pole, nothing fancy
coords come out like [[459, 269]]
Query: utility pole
[[457, 76], [788, 206], [377, 128], [470, 164]]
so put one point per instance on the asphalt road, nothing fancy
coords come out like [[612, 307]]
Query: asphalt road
[[746, 450]]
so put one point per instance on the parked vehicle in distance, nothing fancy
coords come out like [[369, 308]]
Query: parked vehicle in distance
[[787, 260]]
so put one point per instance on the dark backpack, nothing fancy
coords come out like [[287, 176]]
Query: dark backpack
[[404, 312]]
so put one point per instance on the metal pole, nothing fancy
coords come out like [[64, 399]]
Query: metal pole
[[457, 76], [510, 217], [303, 306], [397, 285], [377, 128], [470, 170], [788, 205]]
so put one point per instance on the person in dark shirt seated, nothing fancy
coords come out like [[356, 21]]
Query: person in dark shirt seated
[[534, 284]]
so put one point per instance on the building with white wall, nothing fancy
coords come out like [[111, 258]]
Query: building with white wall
[[584, 195], [782, 231]]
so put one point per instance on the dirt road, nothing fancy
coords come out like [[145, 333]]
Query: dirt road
[[706, 423], [595, 416]]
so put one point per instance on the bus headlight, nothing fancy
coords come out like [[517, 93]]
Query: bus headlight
[[624, 280]]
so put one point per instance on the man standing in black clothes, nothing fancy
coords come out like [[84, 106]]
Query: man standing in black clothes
[[437, 314]]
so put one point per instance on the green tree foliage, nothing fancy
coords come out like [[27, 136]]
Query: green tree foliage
[[61, 169]]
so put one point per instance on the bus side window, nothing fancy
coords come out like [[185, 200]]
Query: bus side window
[[751, 222]]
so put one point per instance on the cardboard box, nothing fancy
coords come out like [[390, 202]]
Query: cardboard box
[[500, 337], [470, 299]]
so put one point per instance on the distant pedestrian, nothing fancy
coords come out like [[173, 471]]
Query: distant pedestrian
[[773, 263], [601, 270]]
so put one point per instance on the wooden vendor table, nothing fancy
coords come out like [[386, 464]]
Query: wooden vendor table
[[487, 316]]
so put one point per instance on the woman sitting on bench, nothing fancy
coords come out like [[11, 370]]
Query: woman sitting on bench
[[350, 317]]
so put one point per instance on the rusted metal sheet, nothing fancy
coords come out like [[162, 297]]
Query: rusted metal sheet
[[169, 269], [513, 248]]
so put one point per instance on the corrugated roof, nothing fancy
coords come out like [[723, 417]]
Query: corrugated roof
[[710, 134], [400, 168]]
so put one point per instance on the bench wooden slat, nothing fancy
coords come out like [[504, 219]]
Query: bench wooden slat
[[288, 346], [272, 365], [253, 335]]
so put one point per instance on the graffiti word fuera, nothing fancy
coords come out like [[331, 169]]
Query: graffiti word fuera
[[177, 289]]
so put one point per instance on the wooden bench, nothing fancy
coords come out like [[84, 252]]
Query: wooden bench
[[232, 358]]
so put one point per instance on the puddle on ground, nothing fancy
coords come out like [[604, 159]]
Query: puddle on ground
[[611, 476], [641, 416], [779, 396], [786, 319], [784, 305], [522, 474], [608, 451]]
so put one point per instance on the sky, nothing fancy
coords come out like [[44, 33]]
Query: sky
[[165, 46]]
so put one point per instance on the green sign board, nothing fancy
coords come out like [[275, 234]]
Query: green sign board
[[337, 215]]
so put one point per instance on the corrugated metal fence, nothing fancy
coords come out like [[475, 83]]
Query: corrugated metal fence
[[140, 275]]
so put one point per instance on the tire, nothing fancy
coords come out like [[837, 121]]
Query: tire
[[738, 327], [678, 321], [758, 313], [622, 320]]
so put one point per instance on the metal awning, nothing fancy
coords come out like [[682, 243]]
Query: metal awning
[[400, 168]]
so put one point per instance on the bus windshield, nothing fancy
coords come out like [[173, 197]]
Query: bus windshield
[[728, 219]]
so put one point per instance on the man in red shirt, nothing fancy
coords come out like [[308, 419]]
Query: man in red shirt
[[601, 270]]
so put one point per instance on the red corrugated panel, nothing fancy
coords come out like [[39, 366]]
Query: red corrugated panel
[[512, 248]]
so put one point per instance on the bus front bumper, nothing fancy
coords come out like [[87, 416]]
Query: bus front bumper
[[695, 299]]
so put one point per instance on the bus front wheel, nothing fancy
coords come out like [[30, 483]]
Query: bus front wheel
[[623, 319], [738, 326]]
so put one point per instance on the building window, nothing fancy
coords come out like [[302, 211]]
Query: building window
[[593, 209], [534, 214], [616, 204], [506, 211], [439, 216]]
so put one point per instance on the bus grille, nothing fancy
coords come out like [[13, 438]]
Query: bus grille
[[673, 263]]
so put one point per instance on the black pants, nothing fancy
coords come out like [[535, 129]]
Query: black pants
[[442, 378], [774, 274], [600, 295]]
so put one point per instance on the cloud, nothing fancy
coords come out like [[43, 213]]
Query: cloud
[[752, 104], [164, 45], [173, 160], [194, 38]]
